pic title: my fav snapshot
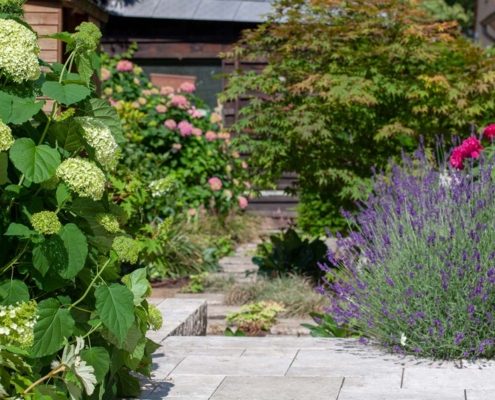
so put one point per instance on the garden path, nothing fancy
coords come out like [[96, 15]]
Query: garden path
[[291, 368]]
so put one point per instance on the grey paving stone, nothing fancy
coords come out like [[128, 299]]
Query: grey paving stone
[[163, 365], [211, 298], [449, 378], [288, 351], [277, 388], [176, 342], [331, 363], [205, 351], [398, 394], [221, 311], [261, 365], [480, 394], [187, 388]]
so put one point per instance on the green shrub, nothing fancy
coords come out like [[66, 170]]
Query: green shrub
[[349, 85], [174, 138], [62, 245], [287, 253]]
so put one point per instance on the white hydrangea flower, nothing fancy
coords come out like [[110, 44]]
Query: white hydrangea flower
[[82, 177], [19, 51], [100, 138], [162, 186], [6, 138]]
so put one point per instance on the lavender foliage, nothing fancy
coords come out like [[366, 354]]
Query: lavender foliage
[[417, 273]]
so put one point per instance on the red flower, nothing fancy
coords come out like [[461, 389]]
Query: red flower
[[469, 148], [489, 132]]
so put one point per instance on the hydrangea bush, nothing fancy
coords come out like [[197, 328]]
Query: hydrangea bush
[[417, 273], [174, 136], [71, 326]]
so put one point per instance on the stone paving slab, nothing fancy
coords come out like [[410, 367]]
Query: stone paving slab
[[305, 368], [280, 388]]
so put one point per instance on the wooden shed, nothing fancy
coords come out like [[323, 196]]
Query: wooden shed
[[51, 16]]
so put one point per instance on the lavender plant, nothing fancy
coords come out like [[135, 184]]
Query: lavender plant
[[417, 273]]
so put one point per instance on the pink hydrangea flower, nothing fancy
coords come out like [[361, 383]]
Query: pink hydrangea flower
[[489, 132], [160, 108], [177, 146], [469, 148], [244, 165], [187, 87], [195, 113], [166, 90], [215, 184], [197, 132], [185, 128], [124, 66], [170, 124], [224, 135], [192, 212], [243, 202], [210, 136], [179, 101], [105, 74]]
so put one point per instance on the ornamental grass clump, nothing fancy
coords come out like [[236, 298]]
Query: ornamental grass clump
[[417, 274]]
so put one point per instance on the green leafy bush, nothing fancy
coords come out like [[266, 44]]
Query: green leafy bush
[[287, 253], [175, 139], [71, 324], [349, 85]]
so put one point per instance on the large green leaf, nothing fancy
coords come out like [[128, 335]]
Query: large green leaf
[[37, 163], [17, 110], [19, 230], [103, 111], [50, 254], [13, 291], [66, 134], [115, 307], [99, 359], [4, 163], [54, 325], [66, 94], [76, 246], [138, 284]]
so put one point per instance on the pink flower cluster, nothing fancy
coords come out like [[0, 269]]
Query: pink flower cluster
[[469, 148], [187, 87], [124, 66], [179, 101], [215, 184], [243, 202], [185, 128]]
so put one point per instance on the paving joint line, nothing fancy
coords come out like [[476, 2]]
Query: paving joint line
[[402, 377], [465, 394], [216, 389], [292, 362], [173, 369], [340, 388]]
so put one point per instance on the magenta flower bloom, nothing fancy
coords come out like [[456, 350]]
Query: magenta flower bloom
[[125, 66], [185, 128], [210, 136], [215, 184], [170, 124], [469, 148], [489, 132], [243, 202], [187, 87]]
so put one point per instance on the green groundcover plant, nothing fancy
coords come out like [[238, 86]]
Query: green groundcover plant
[[349, 84], [417, 272], [71, 325]]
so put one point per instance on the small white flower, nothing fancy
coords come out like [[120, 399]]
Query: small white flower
[[403, 339]]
